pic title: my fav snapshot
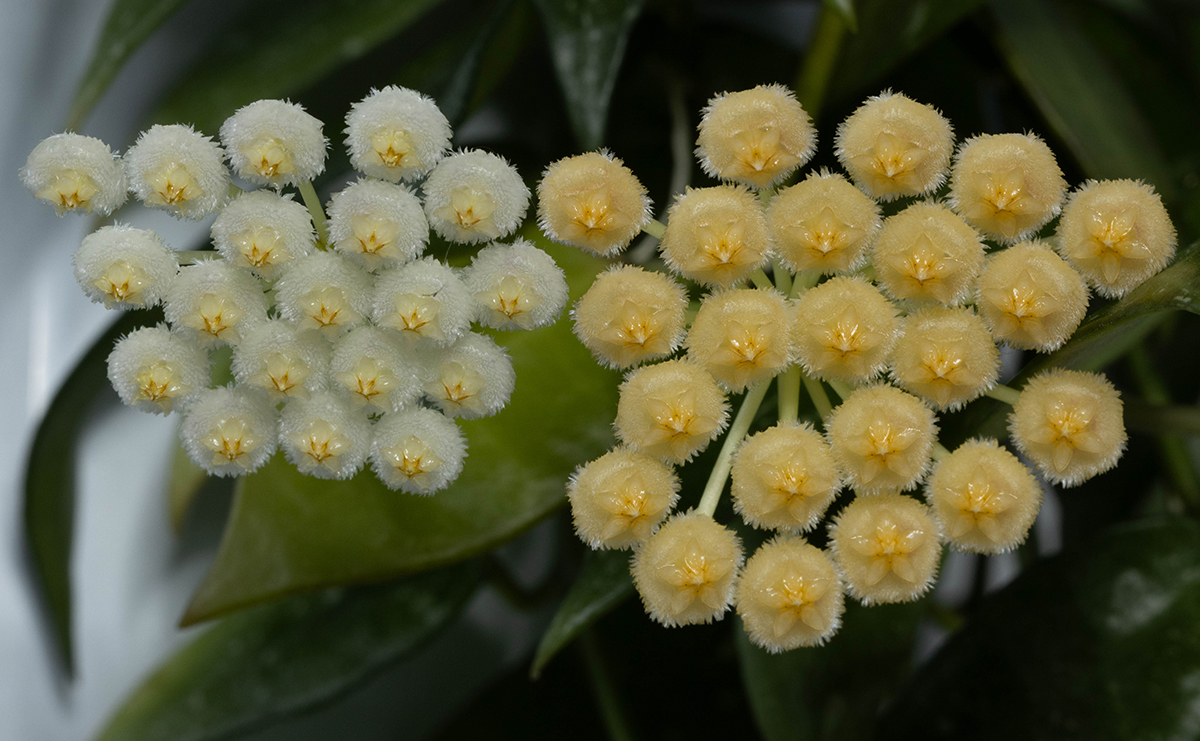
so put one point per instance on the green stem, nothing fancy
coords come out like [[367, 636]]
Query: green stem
[[655, 228], [939, 451], [783, 279], [760, 279], [803, 282], [611, 708], [1173, 449], [817, 68], [843, 389], [191, 257], [1006, 394], [816, 392], [737, 431], [789, 395], [309, 194]]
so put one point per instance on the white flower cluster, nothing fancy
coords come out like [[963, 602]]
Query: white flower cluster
[[349, 348]]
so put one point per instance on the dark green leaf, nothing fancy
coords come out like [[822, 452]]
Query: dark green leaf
[[602, 584], [845, 9], [282, 659], [587, 43], [1154, 419]]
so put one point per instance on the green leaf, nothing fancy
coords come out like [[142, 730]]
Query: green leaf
[[1097, 644], [845, 9], [587, 43], [50, 475], [282, 659], [187, 481], [602, 584], [1162, 419], [290, 533]]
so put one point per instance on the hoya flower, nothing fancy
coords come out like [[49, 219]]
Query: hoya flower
[[325, 291], [1116, 233], [472, 378], [324, 437], [742, 336], [620, 499], [887, 548], [230, 431], [757, 136], [1030, 298], [274, 142], [1071, 424], [396, 134], [264, 231], [124, 267], [418, 451], [984, 497], [1006, 185], [946, 355], [686, 572], [894, 146], [845, 329], [882, 439], [630, 315], [517, 286], [928, 253], [425, 301], [179, 170], [378, 223], [215, 302], [75, 172], [592, 201], [790, 595], [823, 223], [716, 236], [286, 362], [784, 478], [370, 368], [671, 410], [474, 196], [156, 370]]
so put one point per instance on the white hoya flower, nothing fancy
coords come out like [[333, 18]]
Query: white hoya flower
[[425, 301], [474, 196], [518, 286], [264, 231], [418, 451], [75, 172], [324, 291], [325, 437], [215, 302], [287, 362], [156, 370], [122, 267], [274, 142], [474, 378], [396, 134], [377, 222], [179, 170], [230, 431], [370, 368]]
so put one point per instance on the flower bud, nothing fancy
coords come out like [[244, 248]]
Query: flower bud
[[928, 253], [671, 410], [1006, 185], [322, 436], [396, 134], [324, 291], [284, 361], [75, 172], [882, 439], [229, 431], [741, 336], [370, 368], [179, 170], [156, 370], [757, 136], [1030, 298], [472, 378], [619, 499], [790, 595], [894, 146], [377, 223], [887, 548], [418, 451], [686, 572], [425, 302], [784, 478], [215, 302], [517, 286], [263, 231], [630, 315], [474, 196], [985, 499], [274, 142], [946, 355], [124, 267], [592, 201], [823, 224], [716, 236], [845, 329]]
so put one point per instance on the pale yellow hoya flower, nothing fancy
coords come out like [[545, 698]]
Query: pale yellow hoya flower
[[229, 431], [1070, 424], [946, 355], [619, 499], [845, 329], [592, 201], [985, 498], [274, 142], [928, 253], [75, 172], [790, 595], [1116, 233], [155, 370], [418, 451], [887, 547], [216, 302], [687, 571], [742, 336], [882, 439], [1030, 298], [894, 146], [1006, 185], [285, 361], [323, 437], [369, 382], [178, 170], [671, 410], [716, 236], [630, 315], [757, 136], [823, 223], [784, 478]]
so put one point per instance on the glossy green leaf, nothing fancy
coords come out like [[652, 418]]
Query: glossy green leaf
[[587, 43], [845, 9], [602, 584], [282, 659], [50, 475], [1099, 644], [290, 533]]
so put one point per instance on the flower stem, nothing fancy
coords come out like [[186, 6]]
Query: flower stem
[[812, 82], [655, 228], [309, 194], [191, 257], [783, 279], [1003, 393], [760, 279], [939, 451], [789, 395], [816, 392], [843, 390], [737, 431]]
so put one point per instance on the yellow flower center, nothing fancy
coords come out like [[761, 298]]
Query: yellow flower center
[[327, 309], [695, 575], [632, 508], [159, 382], [458, 387], [322, 443], [593, 215], [230, 440], [758, 155], [826, 239], [511, 300], [470, 211], [69, 190], [636, 331], [794, 597], [416, 316], [978, 503], [923, 271], [215, 316], [260, 247], [173, 186], [1024, 307], [369, 382], [394, 148], [888, 546], [890, 166], [283, 375], [414, 459], [1003, 202], [269, 158], [122, 282]]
